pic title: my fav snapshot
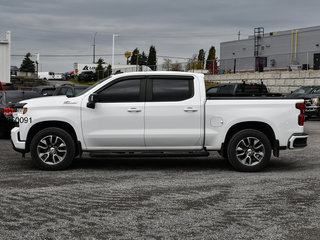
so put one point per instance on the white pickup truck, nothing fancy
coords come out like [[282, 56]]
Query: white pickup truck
[[162, 112]]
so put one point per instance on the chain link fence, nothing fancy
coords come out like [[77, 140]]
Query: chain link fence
[[289, 61]]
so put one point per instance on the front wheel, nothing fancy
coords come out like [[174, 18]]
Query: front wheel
[[52, 149], [249, 150]]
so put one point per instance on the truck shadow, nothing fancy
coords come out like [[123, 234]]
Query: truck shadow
[[151, 164], [174, 164]]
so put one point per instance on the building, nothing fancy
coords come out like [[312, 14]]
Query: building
[[5, 39], [291, 49], [80, 67]]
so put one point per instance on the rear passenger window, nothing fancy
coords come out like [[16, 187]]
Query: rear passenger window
[[171, 89]]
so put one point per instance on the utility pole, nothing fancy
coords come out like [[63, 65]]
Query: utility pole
[[38, 61], [94, 47], [239, 35], [113, 36]]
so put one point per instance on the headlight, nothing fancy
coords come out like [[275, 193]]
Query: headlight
[[25, 110]]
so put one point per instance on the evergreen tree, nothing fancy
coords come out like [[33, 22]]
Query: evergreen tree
[[143, 59], [100, 69], [201, 59], [27, 64], [135, 57], [108, 71], [211, 58], [152, 58]]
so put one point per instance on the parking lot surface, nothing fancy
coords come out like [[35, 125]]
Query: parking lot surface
[[153, 198]]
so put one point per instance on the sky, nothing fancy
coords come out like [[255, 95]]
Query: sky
[[177, 29]]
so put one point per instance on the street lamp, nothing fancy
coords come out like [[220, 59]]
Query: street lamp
[[113, 36], [94, 46]]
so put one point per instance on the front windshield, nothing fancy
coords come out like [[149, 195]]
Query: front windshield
[[92, 86], [302, 90]]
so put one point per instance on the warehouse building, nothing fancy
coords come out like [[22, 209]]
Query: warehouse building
[[292, 49]]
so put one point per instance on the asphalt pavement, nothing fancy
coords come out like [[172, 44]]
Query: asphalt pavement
[[154, 198]]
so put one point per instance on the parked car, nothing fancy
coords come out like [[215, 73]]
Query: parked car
[[14, 70], [70, 90], [6, 86], [239, 89], [46, 75], [45, 90], [163, 112], [59, 76], [312, 95], [87, 76], [8, 99]]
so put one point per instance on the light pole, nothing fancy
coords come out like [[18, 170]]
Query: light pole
[[94, 46], [113, 36]]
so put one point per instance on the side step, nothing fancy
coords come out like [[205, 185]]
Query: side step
[[148, 154]]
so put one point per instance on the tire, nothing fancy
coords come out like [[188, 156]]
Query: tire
[[249, 150], [52, 149]]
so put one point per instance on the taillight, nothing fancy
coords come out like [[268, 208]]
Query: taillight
[[7, 111], [301, 107]]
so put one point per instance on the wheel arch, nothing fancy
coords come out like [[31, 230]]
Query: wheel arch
[[58, 124], [259, 126]]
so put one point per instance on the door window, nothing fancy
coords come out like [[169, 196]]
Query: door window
[[122, 91], [316, 91], [171, 89]]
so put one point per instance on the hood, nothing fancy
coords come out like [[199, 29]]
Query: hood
[[47, 101]]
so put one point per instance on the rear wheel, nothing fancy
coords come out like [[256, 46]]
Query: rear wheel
[[52, 149], [249, 150]]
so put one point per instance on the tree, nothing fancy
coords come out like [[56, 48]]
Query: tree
[[108, 71], [201, 59], [100, 69], [211, 58], [152, 58], [167, 64], [176, 67], [135, 57], [143, 59], [192, 63], [27, 64]]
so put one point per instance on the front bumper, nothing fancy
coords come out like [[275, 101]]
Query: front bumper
[[312, 109], [297, 140], [18, 145]]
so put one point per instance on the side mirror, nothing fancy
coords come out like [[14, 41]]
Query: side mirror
[[69, 95], [93, 98]]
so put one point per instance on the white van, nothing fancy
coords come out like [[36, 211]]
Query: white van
[[46, 75]]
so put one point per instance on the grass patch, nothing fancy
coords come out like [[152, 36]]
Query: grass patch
[[80, 83]]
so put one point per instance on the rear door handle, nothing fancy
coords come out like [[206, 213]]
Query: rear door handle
[[190, 109], [134, 110]]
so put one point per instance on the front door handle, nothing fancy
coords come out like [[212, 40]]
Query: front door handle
[[134, 110], [190, 109]]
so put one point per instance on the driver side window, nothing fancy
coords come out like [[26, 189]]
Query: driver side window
[[122, 91]]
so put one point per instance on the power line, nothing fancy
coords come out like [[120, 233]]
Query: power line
[[89, 55], [68, 55]]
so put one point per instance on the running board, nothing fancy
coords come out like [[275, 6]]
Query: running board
[[148, 154]]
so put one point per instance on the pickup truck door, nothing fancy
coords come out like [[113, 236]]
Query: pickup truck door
[[172, 113], [117, 121]]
